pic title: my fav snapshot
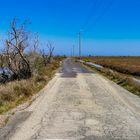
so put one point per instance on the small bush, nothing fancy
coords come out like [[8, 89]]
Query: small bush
[[40, 78], [7, 96], [23, 90]]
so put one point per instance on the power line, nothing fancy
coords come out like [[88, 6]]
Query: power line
[[105, 10], [73, 50], [84, 25], [79, 35], [93, 13], [90, 14], [88, 20]]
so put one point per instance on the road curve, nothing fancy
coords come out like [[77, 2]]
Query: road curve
[[77, 105]]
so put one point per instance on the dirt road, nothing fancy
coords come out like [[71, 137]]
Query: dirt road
[[78, 105]]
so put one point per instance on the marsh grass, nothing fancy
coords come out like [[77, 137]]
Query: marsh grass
[[122, 64], [121, 79]]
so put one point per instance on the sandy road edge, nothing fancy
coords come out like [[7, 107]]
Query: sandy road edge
[[129, 99], [9, 125]]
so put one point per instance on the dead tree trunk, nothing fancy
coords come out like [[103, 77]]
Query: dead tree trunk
[[16, 45]]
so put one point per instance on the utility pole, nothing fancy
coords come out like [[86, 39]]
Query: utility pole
[[79, 44], [73, 50]]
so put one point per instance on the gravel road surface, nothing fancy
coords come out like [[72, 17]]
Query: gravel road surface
[[77, 105]]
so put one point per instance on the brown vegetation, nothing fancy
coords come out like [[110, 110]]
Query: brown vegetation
[[126, 65], [16, 92], [122, 80]]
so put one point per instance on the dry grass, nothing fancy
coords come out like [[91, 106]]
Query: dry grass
[[17, 92], [14, 93], [121, 79], [127, 65]]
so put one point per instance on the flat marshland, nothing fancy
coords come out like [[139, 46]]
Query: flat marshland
[[126, 65], [121, 70]]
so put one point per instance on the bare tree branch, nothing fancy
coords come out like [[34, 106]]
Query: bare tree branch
[[16, 45]]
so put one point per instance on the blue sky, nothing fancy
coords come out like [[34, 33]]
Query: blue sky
[[110, 27]]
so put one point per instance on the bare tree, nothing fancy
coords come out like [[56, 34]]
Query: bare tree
[[50, 53], [44, 56], [35, 43], [15, 50], [33, 53], [47, 57], [1, 60]]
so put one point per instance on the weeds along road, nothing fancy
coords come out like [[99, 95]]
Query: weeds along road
[[78, 105]]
